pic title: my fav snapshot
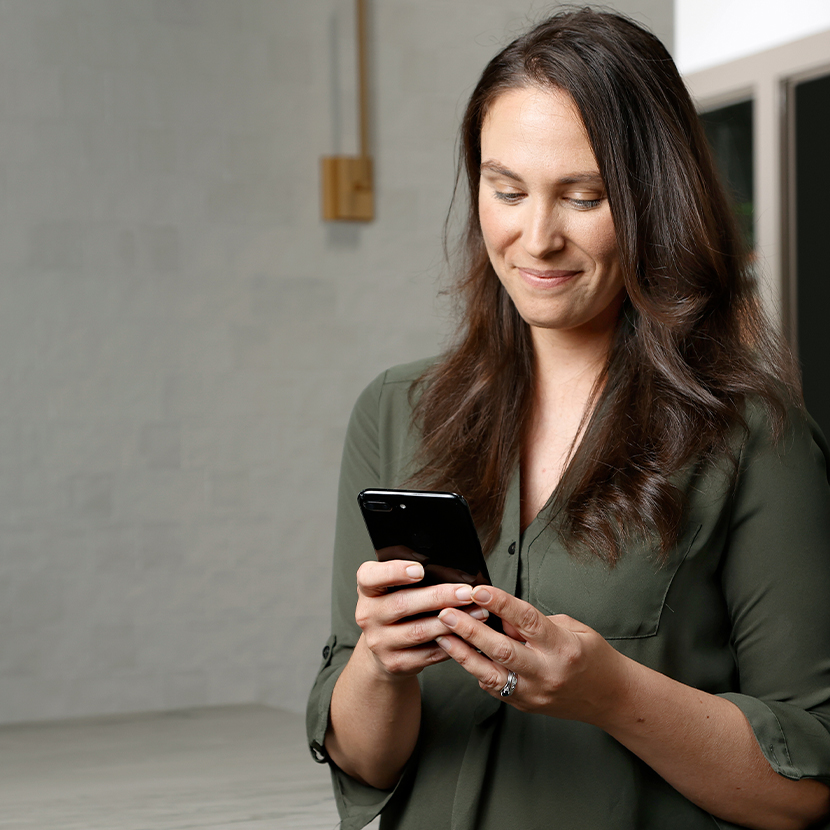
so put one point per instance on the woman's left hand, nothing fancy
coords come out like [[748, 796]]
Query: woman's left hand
[[701, 744], [564, 668]]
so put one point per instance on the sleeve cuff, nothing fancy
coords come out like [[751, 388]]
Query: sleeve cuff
[[794, 741], [357, 803], [317, 712]]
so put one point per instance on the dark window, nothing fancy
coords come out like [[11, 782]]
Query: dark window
[[811, 167], [729, 130]]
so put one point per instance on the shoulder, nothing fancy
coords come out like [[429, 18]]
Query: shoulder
[[799, 434], [407, 373], [381, 434], [386, 402], [393, 383], [783, 466]]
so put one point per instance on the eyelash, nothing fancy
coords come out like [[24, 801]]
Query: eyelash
[[510, 198], [579, 204], [585, 204]]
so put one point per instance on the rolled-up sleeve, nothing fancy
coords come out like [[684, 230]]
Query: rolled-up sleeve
[[776, 579]]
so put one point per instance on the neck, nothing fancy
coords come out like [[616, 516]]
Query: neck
[[570, 362]]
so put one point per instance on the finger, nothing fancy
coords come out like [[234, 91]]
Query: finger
[[413, 660], [411, 633], [477, 613], [418, 636], [530, 624], [412, 605], [498, 647], [570, 624], [491, 676], [375, 578], [510, 630], [429, 599]]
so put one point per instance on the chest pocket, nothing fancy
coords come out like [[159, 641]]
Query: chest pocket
[[622, 602]]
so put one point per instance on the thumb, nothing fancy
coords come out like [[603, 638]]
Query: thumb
[[569, 623]]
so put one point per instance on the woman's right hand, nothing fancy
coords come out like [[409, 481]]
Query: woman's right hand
[[375, 714], [402, 646]]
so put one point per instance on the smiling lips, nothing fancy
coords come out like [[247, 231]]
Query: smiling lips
[[547, 277]]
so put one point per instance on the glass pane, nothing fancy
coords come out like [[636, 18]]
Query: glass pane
[[729, 130], [812, 221]]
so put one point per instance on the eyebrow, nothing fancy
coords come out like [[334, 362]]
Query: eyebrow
[[588, 177]]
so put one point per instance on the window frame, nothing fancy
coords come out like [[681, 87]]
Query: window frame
[[767, 77]]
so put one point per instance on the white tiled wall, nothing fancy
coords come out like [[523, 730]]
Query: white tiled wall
[[181, 336]]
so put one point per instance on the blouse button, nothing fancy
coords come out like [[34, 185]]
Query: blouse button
[[512, 549], [326, 652], [318, 753]]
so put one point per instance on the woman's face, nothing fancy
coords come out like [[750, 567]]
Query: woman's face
[[544, 214]]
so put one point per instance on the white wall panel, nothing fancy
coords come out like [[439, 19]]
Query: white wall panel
[[711, 32]]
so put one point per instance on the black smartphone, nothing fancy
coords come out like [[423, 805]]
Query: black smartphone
[[434, 528]]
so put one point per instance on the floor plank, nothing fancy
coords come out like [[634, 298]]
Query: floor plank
[[224, 768]]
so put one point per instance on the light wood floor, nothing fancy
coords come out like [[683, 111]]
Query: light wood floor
[[224, 768]]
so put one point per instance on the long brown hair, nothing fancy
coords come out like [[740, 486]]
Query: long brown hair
[[691, 345]]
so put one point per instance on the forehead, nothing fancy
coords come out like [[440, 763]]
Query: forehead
[[537, 128]]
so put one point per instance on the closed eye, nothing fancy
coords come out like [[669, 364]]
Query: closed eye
[[580, 204], [585, 204], [510, 198]]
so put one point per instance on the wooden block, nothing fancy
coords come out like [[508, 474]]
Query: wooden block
[[348, 193]]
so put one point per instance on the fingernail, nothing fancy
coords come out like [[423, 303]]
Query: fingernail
[[443, 642], [479, 613], [415, 571], [482, 595], [448, 617], [464, 593]]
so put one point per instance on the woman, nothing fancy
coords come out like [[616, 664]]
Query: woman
[[652, 500]]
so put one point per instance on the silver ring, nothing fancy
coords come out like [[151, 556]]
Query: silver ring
[[512, 679]]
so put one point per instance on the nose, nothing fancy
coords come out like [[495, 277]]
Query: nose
[[543, 233]]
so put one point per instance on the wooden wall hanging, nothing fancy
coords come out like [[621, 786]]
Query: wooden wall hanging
[[348, 189]]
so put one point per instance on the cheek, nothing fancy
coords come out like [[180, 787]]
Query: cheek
[[485, 219], [494, 229], [604, 245]]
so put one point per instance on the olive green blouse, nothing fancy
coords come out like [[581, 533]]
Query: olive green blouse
[[741, 609]]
